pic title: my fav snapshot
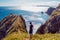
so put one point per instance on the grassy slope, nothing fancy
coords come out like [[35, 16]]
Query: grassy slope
[[23, 36]]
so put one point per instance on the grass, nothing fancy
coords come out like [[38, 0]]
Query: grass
[[23, 36], [16, 36], [46, 37]]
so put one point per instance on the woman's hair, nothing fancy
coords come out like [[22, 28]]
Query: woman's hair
[[30, 22]]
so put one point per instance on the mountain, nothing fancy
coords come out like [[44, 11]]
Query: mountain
[[12, 23], [52, 25], [50, 10]]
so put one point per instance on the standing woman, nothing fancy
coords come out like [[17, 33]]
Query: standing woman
[[31, 30]]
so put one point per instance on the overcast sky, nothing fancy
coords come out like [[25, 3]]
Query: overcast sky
[[30, 2], [30, 5]]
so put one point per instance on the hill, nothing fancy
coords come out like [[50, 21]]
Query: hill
[[12, 23], [25, 36], [52, 25]]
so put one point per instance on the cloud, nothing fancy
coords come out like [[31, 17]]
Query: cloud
[[31, 6], [28, 2], [49, 3]]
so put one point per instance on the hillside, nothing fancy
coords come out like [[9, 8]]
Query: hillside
[[25, 36], [52, 25], [12, 23]]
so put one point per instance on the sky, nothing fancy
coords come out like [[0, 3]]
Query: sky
[[28, 2], [30, 5], [30, 9]]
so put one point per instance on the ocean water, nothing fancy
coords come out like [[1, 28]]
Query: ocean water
[[37, 18]]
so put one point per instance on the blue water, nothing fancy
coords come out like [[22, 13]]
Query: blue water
[[28, 16]]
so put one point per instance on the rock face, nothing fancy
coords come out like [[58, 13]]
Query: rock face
[[41, 30], [52, 25], [12, 23], [54, 21], [50, 10]]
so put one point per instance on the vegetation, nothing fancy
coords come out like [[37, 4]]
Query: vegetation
[[24, 36]]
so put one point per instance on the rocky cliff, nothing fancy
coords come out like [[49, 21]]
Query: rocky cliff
[[12, 23], [52, 25], [50, 10]]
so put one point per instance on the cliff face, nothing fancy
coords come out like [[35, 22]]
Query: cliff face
[[50, 10], [12, 23], [52, 25], [41, 30], [54, 21], [56, 11]]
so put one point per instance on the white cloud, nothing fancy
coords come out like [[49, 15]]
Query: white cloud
[[24, 2], [31, 6]]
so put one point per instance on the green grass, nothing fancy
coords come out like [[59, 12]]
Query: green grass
[[23, 36]]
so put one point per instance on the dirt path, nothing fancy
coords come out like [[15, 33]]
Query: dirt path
[[27, 39]]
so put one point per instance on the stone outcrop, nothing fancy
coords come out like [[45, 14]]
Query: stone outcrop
[[50, 10], [52, 25], [12, 23]]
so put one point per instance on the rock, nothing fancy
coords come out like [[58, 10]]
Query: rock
[[52, 25], [12, 23], [56, 11], [50, 10], [41, 30]]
